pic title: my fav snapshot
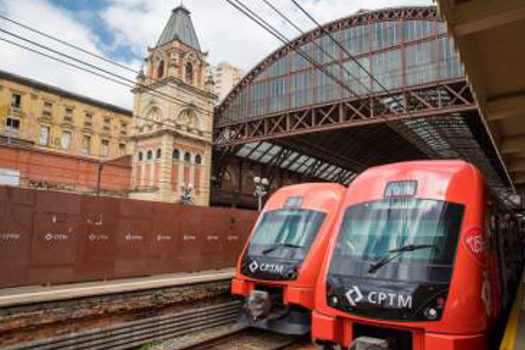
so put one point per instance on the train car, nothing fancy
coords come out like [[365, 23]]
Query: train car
[[277, 271], [421, 258]]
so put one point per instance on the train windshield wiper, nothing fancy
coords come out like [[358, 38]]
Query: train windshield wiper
[[397, 252], [280, 245]]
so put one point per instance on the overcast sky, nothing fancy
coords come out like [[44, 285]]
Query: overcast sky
[[121, 30]]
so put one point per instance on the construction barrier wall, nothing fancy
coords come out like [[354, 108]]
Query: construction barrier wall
[[54, 237]]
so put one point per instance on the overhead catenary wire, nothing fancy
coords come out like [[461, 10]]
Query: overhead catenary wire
[[285, 18], [76, 47], [133, 83], [341, 47], [87, 71], [20, 24], [268, 27]]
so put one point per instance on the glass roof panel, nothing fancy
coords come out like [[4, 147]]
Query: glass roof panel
[[306, 165], [270, 154], [295, 165], [247, 148], [287, 161]]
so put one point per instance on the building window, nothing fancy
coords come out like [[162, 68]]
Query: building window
[[43, 136], [123, 128], [16, 100], [189, 73], [150, 155], [86, 144], [141, 156], [12, 126], [68, 115], [65, 140], [47, 111], [159, 153], [107, 124], [88, 120], [198, 159], [104, 148], [160, 69], [175, 154], [187, 157], [122, 149]]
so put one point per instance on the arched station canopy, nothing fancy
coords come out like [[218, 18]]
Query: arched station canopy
[[415, 104]]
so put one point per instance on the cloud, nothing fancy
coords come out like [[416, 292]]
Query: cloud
[[60, 23], [223, 31], [136, 24]]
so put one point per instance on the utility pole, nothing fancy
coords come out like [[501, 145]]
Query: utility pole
[[99, 179]]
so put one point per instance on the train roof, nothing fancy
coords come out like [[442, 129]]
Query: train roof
[[320, 195], [451, 180]]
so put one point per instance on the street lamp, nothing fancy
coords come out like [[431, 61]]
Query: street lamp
[[261, 189], [186, 193]]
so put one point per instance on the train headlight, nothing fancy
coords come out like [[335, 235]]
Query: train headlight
[[431, 313], [293, 273], [434, 309]]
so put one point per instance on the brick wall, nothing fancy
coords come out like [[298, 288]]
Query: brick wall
[[64, 172]]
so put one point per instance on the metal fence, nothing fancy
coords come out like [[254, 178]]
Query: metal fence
[[53, 237]]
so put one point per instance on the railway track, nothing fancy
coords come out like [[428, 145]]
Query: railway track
[[249, 339], [136, 333]]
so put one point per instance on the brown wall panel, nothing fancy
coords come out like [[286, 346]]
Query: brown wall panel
[[54, 245], [98, 239], [164, 245], [191, 236], [54, 237], [16, 228]]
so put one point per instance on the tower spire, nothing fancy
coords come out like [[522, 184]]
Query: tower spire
[[180, 27]]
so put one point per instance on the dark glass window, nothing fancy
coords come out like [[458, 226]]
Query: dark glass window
[[159, 153], [175, 154], [290, 232], [187, 157], [150, 155], [371, 230], [16, 100], [198, 159], [189, 73], [141, 156], [160, 70]]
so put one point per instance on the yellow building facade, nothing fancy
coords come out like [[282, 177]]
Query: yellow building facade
[[49, 118]]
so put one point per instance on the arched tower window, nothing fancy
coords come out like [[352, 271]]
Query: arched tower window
[[150, 155], [198, 159], [188, 74], [176, 154], [160, 69], [159, 153], [141, 156], [187, 157]]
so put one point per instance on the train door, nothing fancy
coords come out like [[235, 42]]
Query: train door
[[491, 284]]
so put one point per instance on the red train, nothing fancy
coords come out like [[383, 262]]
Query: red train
[[277, 271], [422, 257]]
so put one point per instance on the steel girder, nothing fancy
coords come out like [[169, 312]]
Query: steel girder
[[431, 100]]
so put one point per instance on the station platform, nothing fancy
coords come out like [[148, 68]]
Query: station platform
[[514, 336], [41, 294]]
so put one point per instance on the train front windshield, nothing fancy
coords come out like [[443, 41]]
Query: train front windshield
[[394, 232], [286, 233]]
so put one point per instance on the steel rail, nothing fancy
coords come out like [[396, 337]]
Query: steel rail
[[136, 333], [229, 339]]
